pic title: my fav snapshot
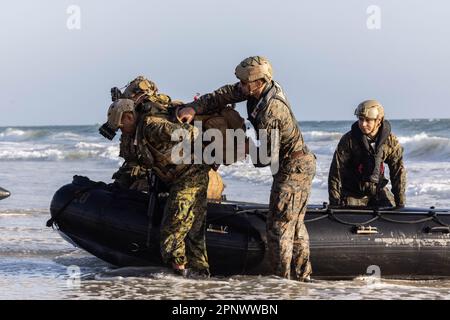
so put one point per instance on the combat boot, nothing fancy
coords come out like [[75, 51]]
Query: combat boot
[[185, 273], [180, 270], [199, 274]]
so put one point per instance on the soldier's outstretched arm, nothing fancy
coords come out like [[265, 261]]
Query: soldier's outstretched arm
[[218, 99], [397, 172]]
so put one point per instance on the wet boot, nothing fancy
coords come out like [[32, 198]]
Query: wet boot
[[180, 270], [200, 274], [185, 273]]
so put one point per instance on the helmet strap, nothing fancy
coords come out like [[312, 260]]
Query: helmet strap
[[375, 131], [259, 88]]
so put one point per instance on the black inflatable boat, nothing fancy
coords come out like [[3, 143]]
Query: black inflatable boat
[[410, 243], [4, 193]]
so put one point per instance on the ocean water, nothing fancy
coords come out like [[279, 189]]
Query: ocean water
[[35, 262]]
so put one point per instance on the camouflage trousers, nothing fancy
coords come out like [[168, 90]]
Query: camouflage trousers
[[287, 237], [385, 199], [184, 221]]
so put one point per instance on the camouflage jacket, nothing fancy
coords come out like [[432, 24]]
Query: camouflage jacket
[[128, 150], [271, 112], [155, 145], [131, 168], [358, 170]]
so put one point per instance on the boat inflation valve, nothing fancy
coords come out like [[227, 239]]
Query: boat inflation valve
[[365, 230]]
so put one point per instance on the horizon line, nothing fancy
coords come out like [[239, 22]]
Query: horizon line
[[99, 124]]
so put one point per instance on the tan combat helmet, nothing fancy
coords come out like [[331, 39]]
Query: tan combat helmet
[[254, 68], [139, 88], [370, 109], [116, 110]]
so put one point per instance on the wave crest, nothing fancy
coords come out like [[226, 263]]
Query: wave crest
[[424, 147], [81, 151]]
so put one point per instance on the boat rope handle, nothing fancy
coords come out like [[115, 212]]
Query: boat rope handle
[[330, 213], [77, 194], [410, 222]]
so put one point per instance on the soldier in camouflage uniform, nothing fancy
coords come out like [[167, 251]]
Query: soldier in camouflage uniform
[[132, 174], [356, 175], [268, 109], [182, 239]]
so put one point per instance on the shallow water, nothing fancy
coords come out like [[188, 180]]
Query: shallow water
[[36, 263]]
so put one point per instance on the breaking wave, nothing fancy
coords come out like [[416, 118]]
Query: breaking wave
[[14, 134], [421, 146], [48, 134], [56, 144], [440, 189], [424, 147], [313, 136], [84, 142], [81, 151]]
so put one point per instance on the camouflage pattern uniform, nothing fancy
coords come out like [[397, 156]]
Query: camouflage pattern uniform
[[183, 225], [356, 177], [131, 175], [184, 221], [287, 237]]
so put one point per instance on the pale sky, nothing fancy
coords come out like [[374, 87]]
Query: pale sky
[[322, 53]]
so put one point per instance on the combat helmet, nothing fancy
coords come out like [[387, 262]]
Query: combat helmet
[[254, 68], [139, 89], [370, 109], [116, 110]]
